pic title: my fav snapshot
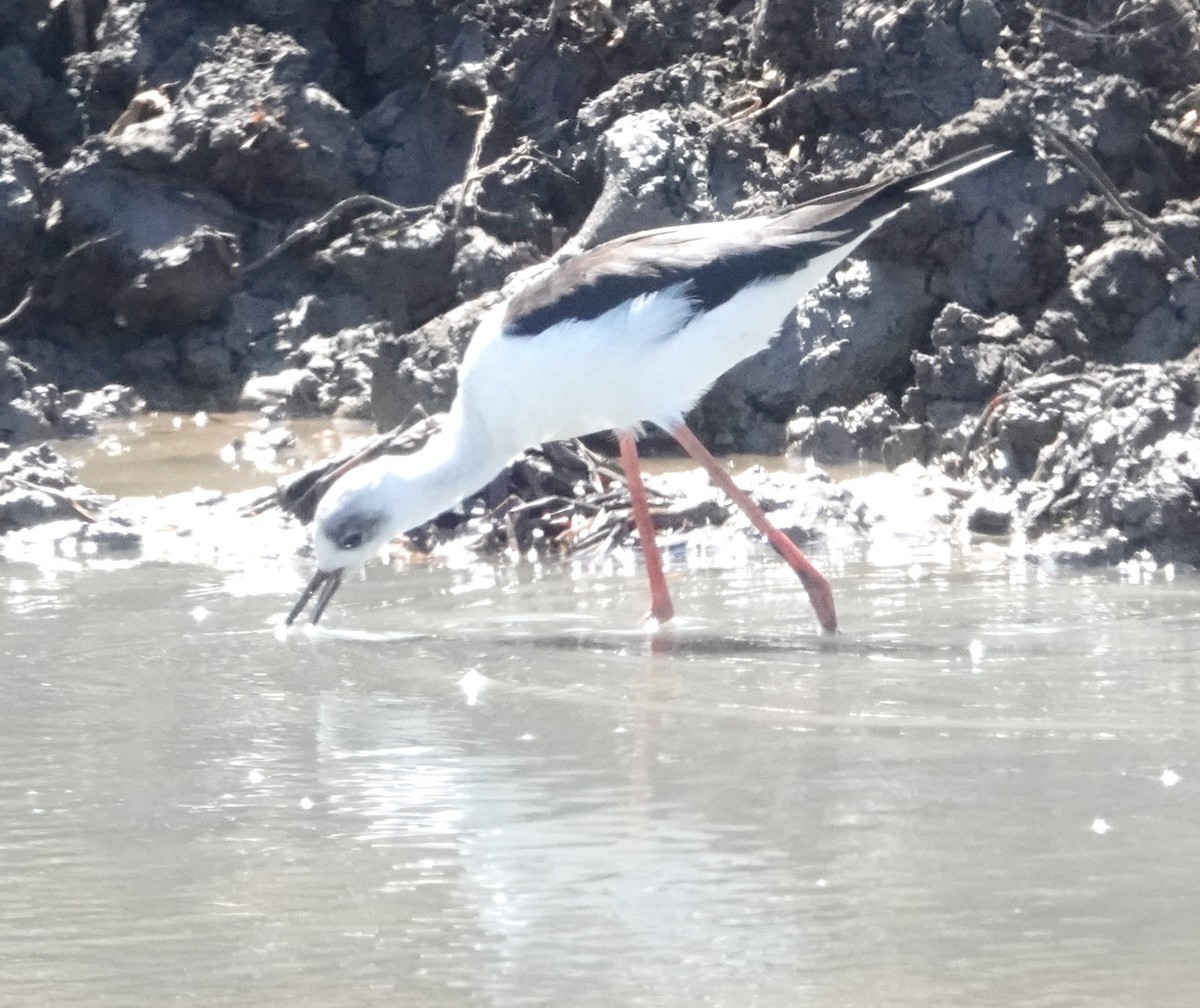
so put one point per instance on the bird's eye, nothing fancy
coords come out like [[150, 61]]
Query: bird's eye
[[351, 532]]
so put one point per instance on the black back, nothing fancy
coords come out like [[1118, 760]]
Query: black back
[[712, 262]]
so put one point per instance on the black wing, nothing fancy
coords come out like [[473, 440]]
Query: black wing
[[713, 261]]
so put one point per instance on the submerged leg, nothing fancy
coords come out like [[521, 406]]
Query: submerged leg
[[813, 580], [661, 607]]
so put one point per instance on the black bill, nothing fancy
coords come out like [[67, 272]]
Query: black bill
[[323, 585]]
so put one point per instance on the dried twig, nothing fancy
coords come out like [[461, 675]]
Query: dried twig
[[555, 12], [19, 310], [61, 496], [319, 230], [1087, 165], [1035, 385], [472, 173], [1115, 27], [45, 275]]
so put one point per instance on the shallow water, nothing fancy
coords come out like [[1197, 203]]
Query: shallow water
[[490, 785], [155, 454]]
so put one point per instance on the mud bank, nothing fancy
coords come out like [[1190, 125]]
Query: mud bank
[[301, 208]]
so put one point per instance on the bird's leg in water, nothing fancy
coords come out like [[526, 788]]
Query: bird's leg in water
[[661, 607], [813, 580]]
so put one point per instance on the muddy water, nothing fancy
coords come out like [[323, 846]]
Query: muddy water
[[488, 785]]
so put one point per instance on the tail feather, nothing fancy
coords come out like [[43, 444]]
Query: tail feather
[[948, 171]]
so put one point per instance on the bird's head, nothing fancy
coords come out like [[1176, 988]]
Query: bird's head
[[354, 520]]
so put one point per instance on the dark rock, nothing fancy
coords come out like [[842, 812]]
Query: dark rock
[[970, 356], [988, 518], [293, 390], [402, 270], [24, 88], [855, 335], [1115, 287], [22, 20], [343, 365], [1117, 457], [20, 215], [138, 243], [790, 34], [415, 373], [974, 359], [1130, 306], [1089, 551], [522, 202], [1011, 258], [22, 421], [907, 442], [323, 376], [24, 507], [33, 96], [841, 435], [980, 23], [153, 367], [112, 402], [424, 137], [483, 262], [111, 535], [832, 442], [182, 283], [205, 361], [1022, 431], [251, 122], [854, 81], [651, 162], [37, 486], [30, 411]]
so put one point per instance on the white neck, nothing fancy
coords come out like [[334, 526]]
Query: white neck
[[458, 460]]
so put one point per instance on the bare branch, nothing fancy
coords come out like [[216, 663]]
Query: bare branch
[[472, 173], [318, 230], [1087, 165], [19, 310]]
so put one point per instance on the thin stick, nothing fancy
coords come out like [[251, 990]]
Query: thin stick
[[352, 207], [1087, 165], [19, 310], [472, 173], [555, 12]]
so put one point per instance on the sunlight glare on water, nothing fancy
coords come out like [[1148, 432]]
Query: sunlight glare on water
[[482, 783], [494, 785]]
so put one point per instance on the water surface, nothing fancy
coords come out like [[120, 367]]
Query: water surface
[[490, 785]]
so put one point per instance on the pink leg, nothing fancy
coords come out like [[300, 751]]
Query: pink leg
[[813, 580], [661, 607]]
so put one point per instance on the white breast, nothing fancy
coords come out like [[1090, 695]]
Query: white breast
[[649, 360]]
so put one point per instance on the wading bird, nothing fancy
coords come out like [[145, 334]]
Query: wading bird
[[631, 331]]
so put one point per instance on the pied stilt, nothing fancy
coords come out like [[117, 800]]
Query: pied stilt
[[631, 331]]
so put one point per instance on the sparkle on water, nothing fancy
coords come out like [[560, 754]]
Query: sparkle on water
[[493, 785]]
